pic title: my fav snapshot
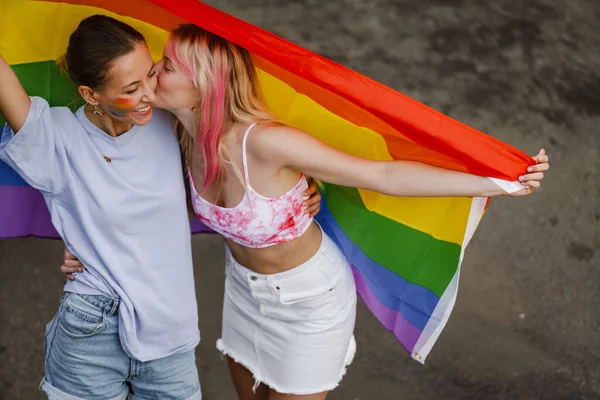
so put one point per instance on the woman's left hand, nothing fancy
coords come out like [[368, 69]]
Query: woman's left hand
[[313, 203], [533, 178]]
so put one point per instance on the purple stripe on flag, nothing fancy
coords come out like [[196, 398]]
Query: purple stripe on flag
[[406, 333], [199, 227], [23, 212]]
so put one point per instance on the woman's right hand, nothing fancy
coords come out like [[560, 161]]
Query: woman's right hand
[[71, 264], [533, 179]]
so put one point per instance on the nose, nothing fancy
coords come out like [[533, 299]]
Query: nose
[[149, 95]]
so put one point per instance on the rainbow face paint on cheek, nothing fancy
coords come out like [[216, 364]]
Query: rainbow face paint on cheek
[[121, 107]]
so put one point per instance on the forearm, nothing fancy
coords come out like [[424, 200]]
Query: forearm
[[414, 179], [14, 102]]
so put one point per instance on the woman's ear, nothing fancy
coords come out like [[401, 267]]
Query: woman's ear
[[88, 95]]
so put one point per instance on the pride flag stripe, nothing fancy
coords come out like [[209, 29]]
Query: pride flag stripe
[[43, 79], [413, 301], [400, 249], [398, 145], [31, 21], [8, 177], [23, 212]]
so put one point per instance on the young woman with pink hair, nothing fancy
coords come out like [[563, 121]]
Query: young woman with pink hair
[[290, 300]]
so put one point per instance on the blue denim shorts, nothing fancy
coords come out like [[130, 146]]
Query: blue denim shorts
[[85, 360]]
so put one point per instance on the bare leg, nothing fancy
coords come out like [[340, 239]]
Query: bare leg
[[243, 382]]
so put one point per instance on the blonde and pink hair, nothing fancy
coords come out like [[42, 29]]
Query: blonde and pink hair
[[229, 92]]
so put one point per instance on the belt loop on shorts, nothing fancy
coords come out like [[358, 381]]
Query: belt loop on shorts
[[63, 298], [113, 309]]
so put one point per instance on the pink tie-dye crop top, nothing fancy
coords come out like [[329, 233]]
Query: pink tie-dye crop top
[[257, 221]]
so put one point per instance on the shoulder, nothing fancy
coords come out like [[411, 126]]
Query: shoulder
[[41, 108], [42, 116], [271, 130], [268, 138], [65, 117]]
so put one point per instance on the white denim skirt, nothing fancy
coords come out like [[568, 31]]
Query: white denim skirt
[[293, 330]]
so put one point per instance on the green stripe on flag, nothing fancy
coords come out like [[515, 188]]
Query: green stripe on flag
[[416, 256], [44, 80]]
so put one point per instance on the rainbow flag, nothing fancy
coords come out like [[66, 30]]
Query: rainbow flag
[[405, 252]]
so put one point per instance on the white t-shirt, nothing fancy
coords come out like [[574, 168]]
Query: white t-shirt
[[126, 220]]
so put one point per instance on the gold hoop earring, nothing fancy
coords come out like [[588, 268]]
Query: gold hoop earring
[[195, 109]]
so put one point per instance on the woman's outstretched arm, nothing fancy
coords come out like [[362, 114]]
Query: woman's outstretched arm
[[291, 148]]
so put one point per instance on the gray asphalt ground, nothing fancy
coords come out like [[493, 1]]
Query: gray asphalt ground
[[526, 324]]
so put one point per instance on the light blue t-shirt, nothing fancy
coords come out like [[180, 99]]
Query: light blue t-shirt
[[123, 216]]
